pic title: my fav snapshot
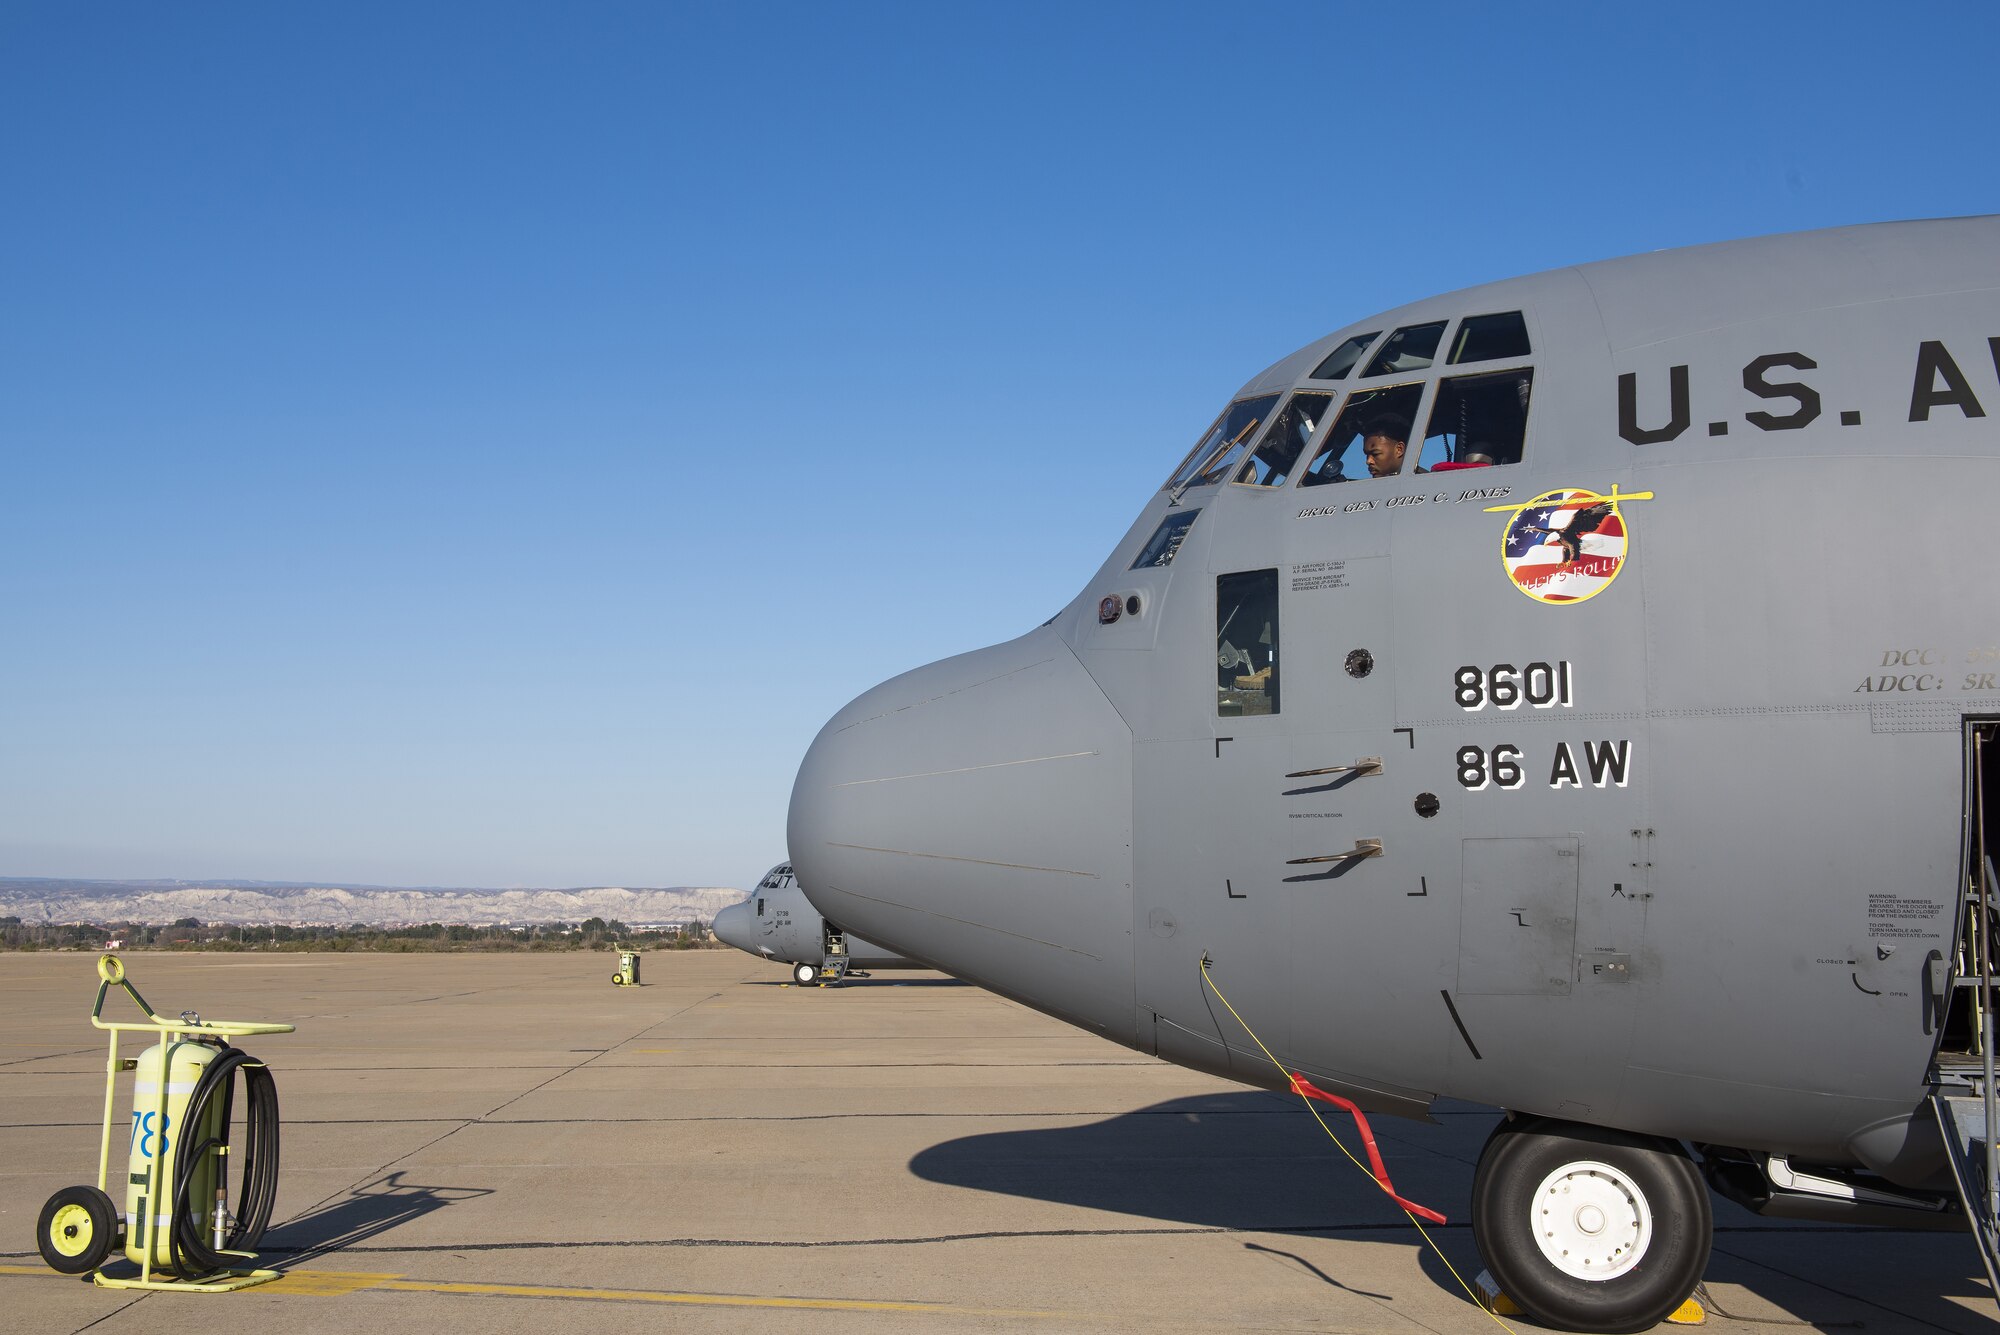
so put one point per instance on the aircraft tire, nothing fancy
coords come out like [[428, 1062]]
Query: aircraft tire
[[1626, 1242], [805, 975]]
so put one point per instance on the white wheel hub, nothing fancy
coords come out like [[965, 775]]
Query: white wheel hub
[[1591, 1220]]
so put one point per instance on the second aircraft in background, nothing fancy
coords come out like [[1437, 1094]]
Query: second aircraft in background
[[777, 923]]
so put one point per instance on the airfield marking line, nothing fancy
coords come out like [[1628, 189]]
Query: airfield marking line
[[335, 1283], [327, 1283], [1324, 1231]]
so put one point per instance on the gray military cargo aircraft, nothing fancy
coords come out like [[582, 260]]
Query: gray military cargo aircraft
[[777, 922], [1576, 694]]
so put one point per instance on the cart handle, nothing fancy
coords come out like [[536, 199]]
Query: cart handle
[[220, 1028], [111, 972]]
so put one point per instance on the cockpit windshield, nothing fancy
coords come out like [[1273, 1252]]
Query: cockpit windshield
[[1278, 452], [777, 878], [1225, 442], [1342, 359]]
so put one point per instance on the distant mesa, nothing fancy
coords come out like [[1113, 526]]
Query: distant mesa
[[37, 899]]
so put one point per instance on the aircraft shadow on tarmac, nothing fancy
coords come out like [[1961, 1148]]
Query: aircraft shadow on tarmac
[[1251, 1161], [1258, 1162], [368, 1212]]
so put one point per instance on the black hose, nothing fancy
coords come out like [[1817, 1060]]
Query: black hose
[[192, 1254]]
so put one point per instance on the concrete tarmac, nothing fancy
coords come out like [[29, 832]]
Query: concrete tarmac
[[510, 1143]]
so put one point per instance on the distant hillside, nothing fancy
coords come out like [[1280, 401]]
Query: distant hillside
[[35, 899]]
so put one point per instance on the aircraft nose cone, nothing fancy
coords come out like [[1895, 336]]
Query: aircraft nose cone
[[976, 814], [732, 927]]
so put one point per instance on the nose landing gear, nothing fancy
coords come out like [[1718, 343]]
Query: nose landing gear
[[833, 971]]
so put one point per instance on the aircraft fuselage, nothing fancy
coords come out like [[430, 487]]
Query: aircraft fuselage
[[1688, 839]]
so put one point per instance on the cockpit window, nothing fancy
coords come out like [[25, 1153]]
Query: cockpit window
[[1371, 439], [778, 877], [1246, 643], [1225, 442], [1342, 359], [1165, 544], [1411, 348], [1277, 454], [1488, 338], [1478, 420]]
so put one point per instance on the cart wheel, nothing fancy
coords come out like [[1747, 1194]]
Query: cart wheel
[[77, 1230]]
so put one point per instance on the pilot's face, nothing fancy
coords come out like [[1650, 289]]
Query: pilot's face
[[1385, 455]]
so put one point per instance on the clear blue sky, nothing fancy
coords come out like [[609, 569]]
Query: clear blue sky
[[481, 443]]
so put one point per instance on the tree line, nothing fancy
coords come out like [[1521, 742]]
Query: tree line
[[193, 934]]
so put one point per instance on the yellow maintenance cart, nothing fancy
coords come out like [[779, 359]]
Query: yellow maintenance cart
[[628, 969], [176, 1227]]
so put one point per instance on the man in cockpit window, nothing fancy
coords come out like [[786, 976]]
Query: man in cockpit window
[[1383, 442]]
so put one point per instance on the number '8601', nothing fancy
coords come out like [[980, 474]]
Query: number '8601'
[[1505, 686]]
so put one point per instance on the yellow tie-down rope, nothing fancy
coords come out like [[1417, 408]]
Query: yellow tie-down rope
[[1300, 1085]]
